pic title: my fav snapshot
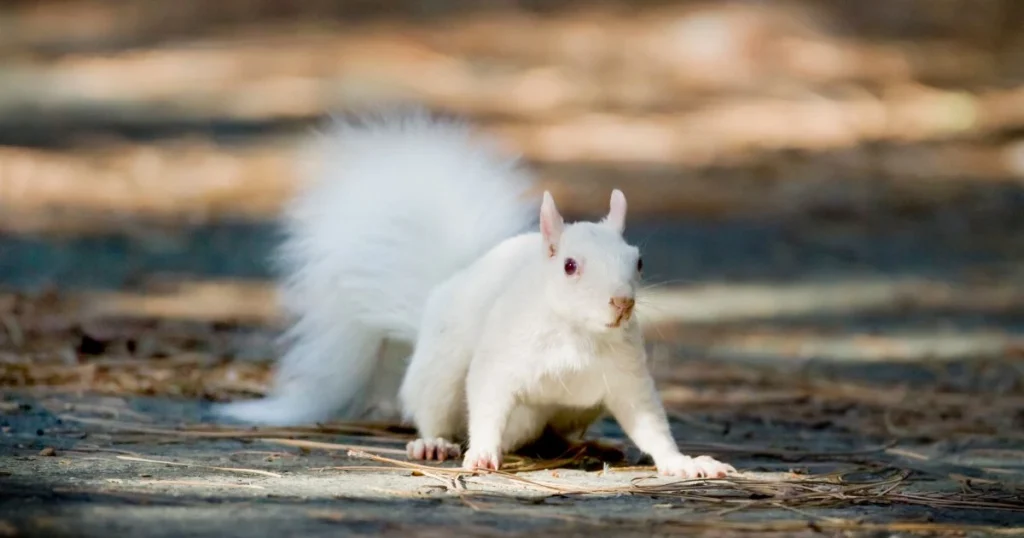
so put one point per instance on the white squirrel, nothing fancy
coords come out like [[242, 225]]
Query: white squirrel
[[416, 237]]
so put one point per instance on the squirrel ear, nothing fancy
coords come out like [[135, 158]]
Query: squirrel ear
[[551, 223], [617, 214]]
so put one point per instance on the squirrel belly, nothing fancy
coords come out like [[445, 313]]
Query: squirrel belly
[[393, 205]]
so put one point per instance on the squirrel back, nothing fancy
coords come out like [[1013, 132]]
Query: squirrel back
[[396, 204]]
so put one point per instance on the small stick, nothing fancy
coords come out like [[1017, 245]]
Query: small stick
[[198, 483], [179, 464], [301, 443]]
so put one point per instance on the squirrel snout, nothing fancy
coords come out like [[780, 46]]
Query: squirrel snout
[[623, 309], [622, 303]]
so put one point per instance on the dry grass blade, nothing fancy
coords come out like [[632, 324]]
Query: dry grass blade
[[198, 483], [299, 443], [116, 412], [790, 455], [938, 502], [380, 429], [197, 465], [219, 432], [821, 492], [529, 466], [425, 469], [561, 490], [139, 428], [366, 469], [843, 525], [360, 452], [833, 490], [356, 453]]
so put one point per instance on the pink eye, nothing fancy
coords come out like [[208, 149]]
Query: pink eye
[[570, 266]]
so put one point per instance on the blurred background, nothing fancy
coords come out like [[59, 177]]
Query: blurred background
[[814, 182]]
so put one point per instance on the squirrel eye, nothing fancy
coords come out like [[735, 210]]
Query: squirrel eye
[[640, 265], [570, 266]]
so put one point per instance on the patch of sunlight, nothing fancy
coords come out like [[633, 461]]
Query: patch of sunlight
[[222, 300], [720, 307], [903, 346], [721, 303]]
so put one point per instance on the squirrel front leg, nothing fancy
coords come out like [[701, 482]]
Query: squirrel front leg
[[635, 404], [490, 406]]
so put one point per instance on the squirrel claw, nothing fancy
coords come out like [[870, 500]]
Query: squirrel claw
[[438, 449], [481, 459]]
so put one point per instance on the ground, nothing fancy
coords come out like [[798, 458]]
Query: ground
[[828, 195], [874, 390]]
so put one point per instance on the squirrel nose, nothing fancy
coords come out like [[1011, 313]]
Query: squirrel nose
[[623, 304]]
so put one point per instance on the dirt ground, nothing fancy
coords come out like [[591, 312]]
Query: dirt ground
[[873, 389], [828, 195]]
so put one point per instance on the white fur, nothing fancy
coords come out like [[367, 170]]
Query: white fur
[[513, 344], [414, 234], [396, 204]]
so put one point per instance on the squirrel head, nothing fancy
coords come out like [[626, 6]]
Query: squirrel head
[[592, 273]]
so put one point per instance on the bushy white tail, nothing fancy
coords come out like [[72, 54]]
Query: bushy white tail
[[396, 204]]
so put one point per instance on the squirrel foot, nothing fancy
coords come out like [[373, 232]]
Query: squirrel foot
[[687, 467], [438, 449], [482, 459]]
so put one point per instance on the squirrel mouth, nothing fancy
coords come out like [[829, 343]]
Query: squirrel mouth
[[619, 319]]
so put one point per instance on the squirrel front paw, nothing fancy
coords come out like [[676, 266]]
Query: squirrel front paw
[[482, 459], [700, 467]]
